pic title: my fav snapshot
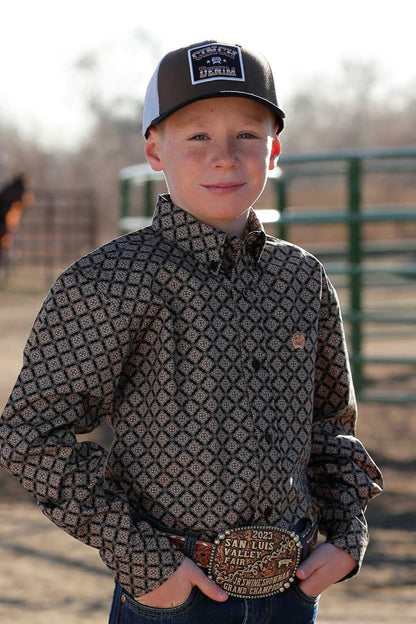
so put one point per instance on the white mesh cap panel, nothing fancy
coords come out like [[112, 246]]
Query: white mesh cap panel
[[151, 102]]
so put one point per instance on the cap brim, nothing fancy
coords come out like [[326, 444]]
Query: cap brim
[[223, 93]]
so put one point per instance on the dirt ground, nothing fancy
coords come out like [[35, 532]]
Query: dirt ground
[[47, 576]]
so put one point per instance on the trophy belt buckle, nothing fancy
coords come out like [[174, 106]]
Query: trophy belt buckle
[[255, 561]]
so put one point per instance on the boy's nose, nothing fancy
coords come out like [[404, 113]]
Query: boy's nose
[[225, 154]]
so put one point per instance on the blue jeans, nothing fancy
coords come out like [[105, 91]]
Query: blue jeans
[[290, 607]]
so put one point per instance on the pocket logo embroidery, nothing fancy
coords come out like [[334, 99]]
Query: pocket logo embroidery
[[298, 341]]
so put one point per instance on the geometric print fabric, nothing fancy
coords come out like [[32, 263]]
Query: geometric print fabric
[[220, 365]]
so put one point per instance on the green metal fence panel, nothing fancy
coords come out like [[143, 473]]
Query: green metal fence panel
[[350, 258], [353, 166]]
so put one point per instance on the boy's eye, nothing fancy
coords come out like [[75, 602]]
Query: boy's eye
[[199, 137], [247, 135]]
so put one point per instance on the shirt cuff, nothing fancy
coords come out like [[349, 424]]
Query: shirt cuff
[[351, 536]]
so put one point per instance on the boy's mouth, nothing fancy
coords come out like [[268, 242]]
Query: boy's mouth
[[224, 187]]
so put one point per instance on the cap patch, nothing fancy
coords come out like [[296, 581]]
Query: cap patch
[[215, 61]]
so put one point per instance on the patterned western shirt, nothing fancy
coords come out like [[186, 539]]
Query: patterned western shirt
[[220, 364]]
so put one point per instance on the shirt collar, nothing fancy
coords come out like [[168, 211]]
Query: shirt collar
[[204, 242]]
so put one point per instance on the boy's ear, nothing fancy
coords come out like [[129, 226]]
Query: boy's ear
[[275, 153], [152, 150]]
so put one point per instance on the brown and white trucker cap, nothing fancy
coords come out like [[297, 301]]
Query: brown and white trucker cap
[[206, 70]]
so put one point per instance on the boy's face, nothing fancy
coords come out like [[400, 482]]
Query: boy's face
[[215, 154]]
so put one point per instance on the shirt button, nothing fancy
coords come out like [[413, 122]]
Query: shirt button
[[269, 438], [256, 364], [213, 265], [268, 512]]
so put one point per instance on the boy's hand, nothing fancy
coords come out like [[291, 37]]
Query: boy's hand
[[326, 565], [177, 588]]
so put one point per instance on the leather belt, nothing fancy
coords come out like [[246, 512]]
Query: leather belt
[[203, 550]]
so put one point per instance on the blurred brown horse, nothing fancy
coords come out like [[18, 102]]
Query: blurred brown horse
[[14, 197]]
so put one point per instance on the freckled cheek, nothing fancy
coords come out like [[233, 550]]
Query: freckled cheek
[[191, 157], [255, 155]]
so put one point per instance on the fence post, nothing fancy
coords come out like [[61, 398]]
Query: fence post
[[92, 226], [355, 262], [148, 198], [50, 248], [281, 205], [125, 197]]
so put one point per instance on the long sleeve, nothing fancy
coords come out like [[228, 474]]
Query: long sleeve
[[73, 366], [343, 477]]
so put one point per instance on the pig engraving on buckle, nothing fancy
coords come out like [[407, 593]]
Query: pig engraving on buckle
[[256, 561]]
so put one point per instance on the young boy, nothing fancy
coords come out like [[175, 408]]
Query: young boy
[[217, 355]]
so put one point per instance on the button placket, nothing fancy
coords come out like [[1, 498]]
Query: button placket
[[244, 302]]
